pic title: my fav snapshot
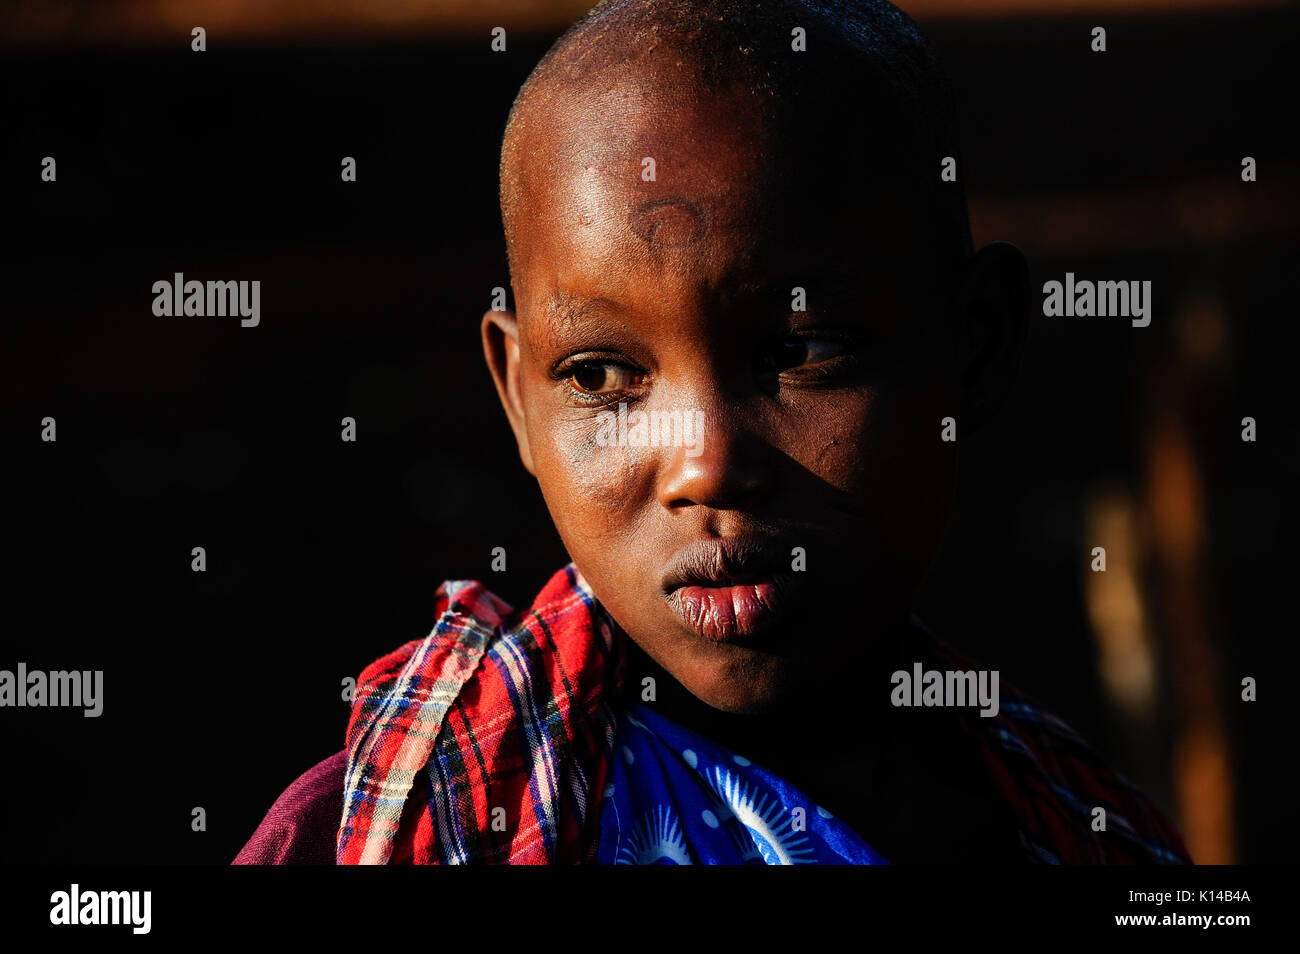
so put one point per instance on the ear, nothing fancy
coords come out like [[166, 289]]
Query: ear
[[501, 348], [995, 322]]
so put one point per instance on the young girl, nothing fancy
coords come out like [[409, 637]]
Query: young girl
[[734, 213]]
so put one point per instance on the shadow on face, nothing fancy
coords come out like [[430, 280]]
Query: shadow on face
[[729, 373]]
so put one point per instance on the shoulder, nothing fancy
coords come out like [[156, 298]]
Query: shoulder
[[477, 693], [480, 640], [468, 615], [302, 825], [1054, 782]]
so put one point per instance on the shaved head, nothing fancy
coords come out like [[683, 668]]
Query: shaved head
[[864, 96], [735, 212]]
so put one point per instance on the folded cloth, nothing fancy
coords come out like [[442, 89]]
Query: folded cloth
[[487, 741]]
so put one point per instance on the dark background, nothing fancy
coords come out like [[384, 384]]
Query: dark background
[[222, 687]]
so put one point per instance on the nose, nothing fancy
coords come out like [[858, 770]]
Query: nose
[[725, 470]]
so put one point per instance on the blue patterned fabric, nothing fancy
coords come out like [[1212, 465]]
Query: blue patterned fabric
[[675, 798]]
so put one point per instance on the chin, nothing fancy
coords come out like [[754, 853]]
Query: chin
[[746, 703], [748, 688]]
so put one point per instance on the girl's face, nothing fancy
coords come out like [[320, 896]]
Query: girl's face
[[682, 258]]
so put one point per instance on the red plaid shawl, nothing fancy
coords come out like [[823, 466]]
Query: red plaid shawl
[[489, 741], [1052, 780]]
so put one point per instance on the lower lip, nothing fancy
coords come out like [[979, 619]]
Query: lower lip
[[727, 613]]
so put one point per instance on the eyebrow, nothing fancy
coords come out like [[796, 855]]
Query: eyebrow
[[564, 311], [568, 309], [815, 274]]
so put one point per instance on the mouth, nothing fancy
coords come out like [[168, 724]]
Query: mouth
[[730, 589]]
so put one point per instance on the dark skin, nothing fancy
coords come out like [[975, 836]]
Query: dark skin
[[822, 426]]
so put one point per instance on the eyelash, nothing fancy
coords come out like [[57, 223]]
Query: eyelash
[[567, 368], [835, 368], [829, 369]]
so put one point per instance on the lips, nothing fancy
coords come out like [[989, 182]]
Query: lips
[[730, 589]]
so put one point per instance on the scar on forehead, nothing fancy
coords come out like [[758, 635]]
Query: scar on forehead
[[669, 223]]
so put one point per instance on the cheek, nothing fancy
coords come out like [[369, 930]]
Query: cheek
[[913, 476], [592, 491], [600, 498], [883, 449]]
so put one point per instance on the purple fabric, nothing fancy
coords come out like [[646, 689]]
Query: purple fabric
[[302, 826]]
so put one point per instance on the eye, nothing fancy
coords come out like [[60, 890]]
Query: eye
[[600, 377], [800, 352]]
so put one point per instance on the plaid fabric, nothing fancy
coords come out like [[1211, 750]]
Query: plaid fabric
[[487, 741], [1052, 780], [490, 741]]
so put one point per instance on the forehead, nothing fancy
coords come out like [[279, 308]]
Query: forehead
[[653, 181], [635, 163]]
